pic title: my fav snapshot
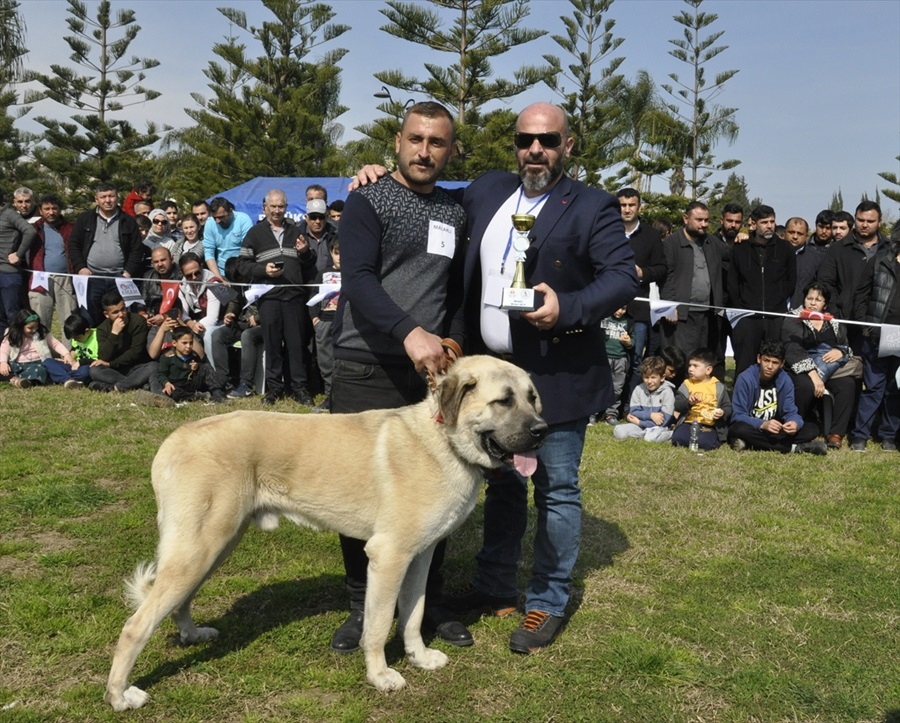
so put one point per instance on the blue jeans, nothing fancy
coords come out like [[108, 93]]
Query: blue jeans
[[879, 378], [60, 372], [557, 498]]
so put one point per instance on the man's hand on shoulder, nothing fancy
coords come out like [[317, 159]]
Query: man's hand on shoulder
[[425, 351], [366, 175]]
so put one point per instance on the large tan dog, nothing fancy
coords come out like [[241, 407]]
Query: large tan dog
[[406, 479]]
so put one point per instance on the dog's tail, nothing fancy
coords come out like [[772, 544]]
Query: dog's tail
[[139, 584]]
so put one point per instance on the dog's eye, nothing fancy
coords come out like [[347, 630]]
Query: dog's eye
[[506, 401]]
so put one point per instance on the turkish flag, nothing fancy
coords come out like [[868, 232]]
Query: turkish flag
[[170, 293]]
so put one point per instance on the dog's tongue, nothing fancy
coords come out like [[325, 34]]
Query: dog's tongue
[[525, 463]]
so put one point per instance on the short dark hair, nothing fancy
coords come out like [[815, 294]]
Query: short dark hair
[[104, 187], [337, 205], [143, 223], [318, 187], [220, 202], [629, 193], [845, 217], [430, 109], [797, 219], [694, 205], [166, 205], [49, 198], [144, 185], [110, 298], [653, 365], [673, 357], [663, 226], [772, 347], [707, 356], [733, 208], [825, 216], [762, 211], [187, 257], [821, 288], [200, 202], [868, 205], [180, 331], [335, 243], [75, 325]]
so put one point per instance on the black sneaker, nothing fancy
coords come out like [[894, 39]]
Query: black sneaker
[[471, 598], [537, 631], [270, 398], [218, 396], [815, 447], [888, 445], [346, 638]]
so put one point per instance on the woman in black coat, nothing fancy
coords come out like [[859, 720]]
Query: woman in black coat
[[817, 347]]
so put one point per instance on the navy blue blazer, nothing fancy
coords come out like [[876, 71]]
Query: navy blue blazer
[[579, 249]]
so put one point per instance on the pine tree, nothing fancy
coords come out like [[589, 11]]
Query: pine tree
[[12, 51], [481, 30], [587, 89], [893, 179], [273, 114], [95, 145], [708, 124]]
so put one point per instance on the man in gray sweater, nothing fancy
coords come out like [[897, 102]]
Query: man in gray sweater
[[16, 236]]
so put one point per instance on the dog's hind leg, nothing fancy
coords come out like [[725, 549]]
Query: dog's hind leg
[[180, 572], [412, 607], [387, 567]]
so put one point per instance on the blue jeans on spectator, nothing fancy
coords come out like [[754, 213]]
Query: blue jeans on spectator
[[557, 497], [879, 378], [60, 372]]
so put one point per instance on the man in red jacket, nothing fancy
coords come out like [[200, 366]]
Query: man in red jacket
[[50, 253]]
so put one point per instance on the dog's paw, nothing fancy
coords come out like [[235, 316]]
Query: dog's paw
[[429, 659], [387, 680], [130, 699], [198, 635]]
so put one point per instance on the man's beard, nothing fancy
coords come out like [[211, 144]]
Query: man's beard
[[730, 234], [536, 183]]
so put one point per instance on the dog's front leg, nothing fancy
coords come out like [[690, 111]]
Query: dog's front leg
[[387, 567], [412, 608]]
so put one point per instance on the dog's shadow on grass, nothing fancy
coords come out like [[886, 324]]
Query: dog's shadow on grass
[[253, 615], [279, 604]]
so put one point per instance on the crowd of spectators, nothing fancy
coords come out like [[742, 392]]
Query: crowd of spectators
[[736, 291]]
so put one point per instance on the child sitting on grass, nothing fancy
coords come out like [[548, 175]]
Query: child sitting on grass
[[651, 407], [708, 403], [183, 376], [26, 355]]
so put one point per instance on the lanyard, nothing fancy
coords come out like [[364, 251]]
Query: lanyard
[[512, 228]]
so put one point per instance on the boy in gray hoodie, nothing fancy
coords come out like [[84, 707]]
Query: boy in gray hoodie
[[652, 405]]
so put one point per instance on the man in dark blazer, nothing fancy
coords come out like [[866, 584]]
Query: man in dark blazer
[[582, 263], [693, 278], [650, 266]]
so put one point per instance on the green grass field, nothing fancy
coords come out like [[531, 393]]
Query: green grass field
[[723, 587]]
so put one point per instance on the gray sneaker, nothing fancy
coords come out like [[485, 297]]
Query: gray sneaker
[[537, 631], [151, 399]]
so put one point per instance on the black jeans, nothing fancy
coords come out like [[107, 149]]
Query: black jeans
[[357, 387]]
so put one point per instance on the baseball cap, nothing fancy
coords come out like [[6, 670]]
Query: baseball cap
[[317, 205]]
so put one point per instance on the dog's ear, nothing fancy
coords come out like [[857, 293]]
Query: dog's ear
[[452, 390]]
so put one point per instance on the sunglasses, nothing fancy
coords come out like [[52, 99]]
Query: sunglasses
[[547, 140], [315, 216], [160, 221]]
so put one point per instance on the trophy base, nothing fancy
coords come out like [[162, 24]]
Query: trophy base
[[521, 299]]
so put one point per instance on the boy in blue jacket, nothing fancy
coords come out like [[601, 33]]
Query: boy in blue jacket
[[764, 415]]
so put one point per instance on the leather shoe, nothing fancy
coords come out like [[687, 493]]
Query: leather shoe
[[536, 632], [834, 441], [302, 396], [270, 398], [346, 638], [471, 598], [447, 628]]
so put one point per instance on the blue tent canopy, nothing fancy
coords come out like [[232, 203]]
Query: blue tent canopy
[[248, 197]]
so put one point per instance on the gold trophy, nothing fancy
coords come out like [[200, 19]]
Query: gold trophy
[[518, 297]]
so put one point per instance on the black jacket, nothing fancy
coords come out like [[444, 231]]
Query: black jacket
[[877, 289], [82, 238], [762, 276], [842, 270], [646, 243]]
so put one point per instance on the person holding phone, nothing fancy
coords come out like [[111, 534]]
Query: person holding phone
[[275, 253]]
